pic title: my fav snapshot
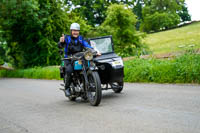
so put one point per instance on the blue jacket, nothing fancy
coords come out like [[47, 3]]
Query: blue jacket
[[79, 38]]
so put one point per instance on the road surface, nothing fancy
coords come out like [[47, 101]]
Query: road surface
[[38, 106]]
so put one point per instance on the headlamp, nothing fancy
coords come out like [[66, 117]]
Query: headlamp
[[88, 55]]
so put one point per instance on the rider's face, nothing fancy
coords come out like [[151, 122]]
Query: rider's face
[[75, 33]]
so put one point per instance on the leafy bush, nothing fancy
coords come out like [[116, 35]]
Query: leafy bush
[[183, 69]]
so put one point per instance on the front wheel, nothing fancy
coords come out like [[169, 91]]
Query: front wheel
[[94, 92]]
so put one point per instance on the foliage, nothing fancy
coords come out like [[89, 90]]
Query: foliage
[[184, 14], [94, 11], [26, 25], [174, 41], [183, 69], [161, 14], [120, 22], [32, 29], [2, 55], [2, 49], [137, 9], [160, 21]]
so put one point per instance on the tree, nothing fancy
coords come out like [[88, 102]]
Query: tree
[[184, 14], [27, 27], [137, 9], [2, 50], [2, 54], [160, 21], [160, 14], [32, 29], [120, 22], [94, 11]]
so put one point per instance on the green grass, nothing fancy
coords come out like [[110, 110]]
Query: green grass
[[183, 69], [33, 73], [174, 40]]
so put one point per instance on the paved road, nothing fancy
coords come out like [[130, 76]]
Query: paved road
[[38, 106]]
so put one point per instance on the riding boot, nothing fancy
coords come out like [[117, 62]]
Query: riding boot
[[68, 77], [67, 84]]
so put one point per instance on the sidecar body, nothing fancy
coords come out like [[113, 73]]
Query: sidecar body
[[110, 65]]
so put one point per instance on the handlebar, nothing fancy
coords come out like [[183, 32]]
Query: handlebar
[[72, 58], [79, 55]]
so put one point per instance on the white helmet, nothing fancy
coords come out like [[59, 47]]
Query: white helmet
[[75, 26]]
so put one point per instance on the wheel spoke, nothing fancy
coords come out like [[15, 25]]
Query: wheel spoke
[[94, 88]]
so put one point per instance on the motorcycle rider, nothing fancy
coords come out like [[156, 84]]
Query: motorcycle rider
[[72, 44]]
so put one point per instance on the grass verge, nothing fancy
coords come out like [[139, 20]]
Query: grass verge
[[183, 69], [33, 73]]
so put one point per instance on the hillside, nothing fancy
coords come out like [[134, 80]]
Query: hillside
[[174, 40]]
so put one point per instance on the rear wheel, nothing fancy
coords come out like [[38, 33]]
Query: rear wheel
[[117, 87], [94, 92]]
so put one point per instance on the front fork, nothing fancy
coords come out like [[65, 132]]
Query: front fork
[[85, 76]]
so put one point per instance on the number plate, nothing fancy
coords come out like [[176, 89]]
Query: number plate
[[117, 62]]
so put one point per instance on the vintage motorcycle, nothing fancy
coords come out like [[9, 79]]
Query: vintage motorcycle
[[86, 82], [93, 74]]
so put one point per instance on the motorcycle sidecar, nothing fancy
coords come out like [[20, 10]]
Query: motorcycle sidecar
[[110, 66]]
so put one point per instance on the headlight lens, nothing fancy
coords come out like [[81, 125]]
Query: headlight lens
[[88, 55]]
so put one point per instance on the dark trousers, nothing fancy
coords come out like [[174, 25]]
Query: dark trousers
[[68, 71]]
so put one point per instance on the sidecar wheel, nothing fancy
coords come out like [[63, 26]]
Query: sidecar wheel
[[94, 92], [117, 87]]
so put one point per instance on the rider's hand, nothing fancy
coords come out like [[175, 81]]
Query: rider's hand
[[62, 39], [98, 54]]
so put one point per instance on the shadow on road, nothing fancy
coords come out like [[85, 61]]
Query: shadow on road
[[106, 97]]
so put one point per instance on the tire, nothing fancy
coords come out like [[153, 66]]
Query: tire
[[119, 88], [95, 82]]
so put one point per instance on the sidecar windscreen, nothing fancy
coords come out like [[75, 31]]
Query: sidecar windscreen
[[103, 44]]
